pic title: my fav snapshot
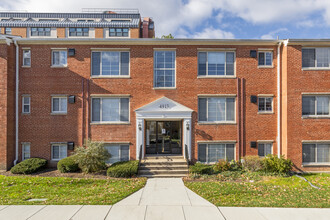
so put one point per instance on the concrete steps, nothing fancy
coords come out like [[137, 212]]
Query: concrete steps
[[163, 167]]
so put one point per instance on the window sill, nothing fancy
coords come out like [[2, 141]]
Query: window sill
[[216, 77], [64, 66], [266, 113], [164, 88], [26, 113], [316, 117], [265, 67], [110, 123], [216, 123], [60, 113], [110, 77], [26, 66], [314, 68], [315, 165]]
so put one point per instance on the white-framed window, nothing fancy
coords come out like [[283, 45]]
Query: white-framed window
[[213, 152], [26, 104], [78, 32], [164, 69], [118, 32], [316, 57], [119, 152], [265, 58], [59, 104], [8, 30], [59, 58], [27, 57], [316, 153], [216, 63], [316, 105], [264, 149], [110, 63], [216, 109], [41, 31], [265, 104], [59, 151], [109, 109], [26, 153]]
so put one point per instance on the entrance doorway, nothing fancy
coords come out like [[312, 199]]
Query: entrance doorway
[[163, 137]]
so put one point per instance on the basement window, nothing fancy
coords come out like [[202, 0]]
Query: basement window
[[316, 153], [212, 153], [59, 151], [119, 152]]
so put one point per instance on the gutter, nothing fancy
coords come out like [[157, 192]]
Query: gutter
[[16, 100], [279, 99]]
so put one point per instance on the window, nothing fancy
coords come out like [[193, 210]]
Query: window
[[216, 109], [59, 105], [265, 58], [78, 32], [7, 30], [164, 69], [118, 152], [264, 149], [316, 153], [26, 103], [27, 57], [59, 58], [110, 63], [25, 151], [59, 151], [110, 109], [118, 32], [40, 32], [316, 57], [211, 153], [216, 63], [265, 104], [315, 105]]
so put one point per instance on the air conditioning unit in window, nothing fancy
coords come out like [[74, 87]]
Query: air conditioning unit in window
[[254, 99], [72, 99], [71, 145], [72, 52], [253, 144], [253, 53]]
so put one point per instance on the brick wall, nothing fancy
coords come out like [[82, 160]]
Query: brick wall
[[135, 33], [19, 32]]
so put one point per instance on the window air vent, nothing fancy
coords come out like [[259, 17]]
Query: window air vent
[[253, 144], [254, 99]]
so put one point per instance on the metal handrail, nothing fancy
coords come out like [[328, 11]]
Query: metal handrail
[[140, 155], [186, 154]]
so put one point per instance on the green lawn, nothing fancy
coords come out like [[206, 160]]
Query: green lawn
[[265, 191], [66, 191]]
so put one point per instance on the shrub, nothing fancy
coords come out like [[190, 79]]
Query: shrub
[[124, 169], [220, 166], [200, 168], [68, 165], [253, 163], [235, 165], [91, 157], [273, 164], [28, 166]]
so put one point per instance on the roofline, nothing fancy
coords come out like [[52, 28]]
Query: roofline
[[309, 42], [146, 41]]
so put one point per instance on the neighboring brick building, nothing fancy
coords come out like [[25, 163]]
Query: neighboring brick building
[[214, 98]]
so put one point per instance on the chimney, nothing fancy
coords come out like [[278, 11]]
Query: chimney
[[145, 26]]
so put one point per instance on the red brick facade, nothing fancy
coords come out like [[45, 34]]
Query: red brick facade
[[41, 128]]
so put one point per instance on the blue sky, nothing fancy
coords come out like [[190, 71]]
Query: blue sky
[[240, 19]]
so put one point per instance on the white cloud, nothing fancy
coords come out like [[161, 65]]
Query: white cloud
[[271, 35], [211, 33]]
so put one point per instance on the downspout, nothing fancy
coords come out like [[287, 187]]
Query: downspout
[[16, 100], [279, 99], [238, 119]]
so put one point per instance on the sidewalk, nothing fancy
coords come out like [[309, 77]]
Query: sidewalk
[[159, 199]]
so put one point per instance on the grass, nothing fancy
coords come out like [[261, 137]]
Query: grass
[[66, 191], [264, 191]]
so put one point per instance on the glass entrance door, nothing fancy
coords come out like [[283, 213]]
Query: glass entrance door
[[163, 137]]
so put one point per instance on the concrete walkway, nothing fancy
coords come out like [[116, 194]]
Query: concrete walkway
[[159, 199]]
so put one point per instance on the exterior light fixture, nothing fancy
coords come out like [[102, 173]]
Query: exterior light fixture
[[187, 125], [140, 126]]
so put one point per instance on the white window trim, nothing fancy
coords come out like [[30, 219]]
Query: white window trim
[[23, 145], [264, 65], [218, 122], [61, 65], [120, 144], [315, 115], [175, 68], [26, 96], [111, 76], [59, 112], [26, 49], [265, 142], [110, 122], [314, 163], [315, 64], [207, 64], [266, 112], [61, 145], [215, 142]]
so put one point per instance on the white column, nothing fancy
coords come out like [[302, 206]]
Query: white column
[[187, 137], [139, 137]]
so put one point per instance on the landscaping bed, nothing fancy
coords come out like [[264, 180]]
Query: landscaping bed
[[18, 189]]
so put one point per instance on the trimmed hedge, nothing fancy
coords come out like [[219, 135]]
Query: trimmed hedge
[[200, 168], [29, 166], [124, 169], [68, 165]]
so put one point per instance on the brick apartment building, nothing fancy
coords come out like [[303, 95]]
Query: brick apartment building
[[100, 76]]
